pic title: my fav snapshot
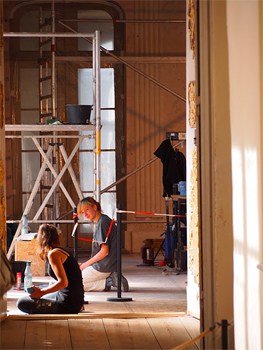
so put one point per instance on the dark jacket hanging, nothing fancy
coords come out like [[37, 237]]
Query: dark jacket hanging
[[174, 166]]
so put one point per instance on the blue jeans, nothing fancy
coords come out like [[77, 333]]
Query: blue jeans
[[46, 305]]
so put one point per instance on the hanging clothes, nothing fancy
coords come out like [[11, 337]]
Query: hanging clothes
[[174, 166]]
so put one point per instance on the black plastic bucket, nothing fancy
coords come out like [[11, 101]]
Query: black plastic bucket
[[78, 114]]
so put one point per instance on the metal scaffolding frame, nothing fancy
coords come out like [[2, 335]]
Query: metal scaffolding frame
[[96, 48], [35, 136], [95, 37]]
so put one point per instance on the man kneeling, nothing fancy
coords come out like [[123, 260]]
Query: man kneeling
[[99, 272]]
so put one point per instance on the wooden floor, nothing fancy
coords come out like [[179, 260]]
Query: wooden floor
[[155, 318]]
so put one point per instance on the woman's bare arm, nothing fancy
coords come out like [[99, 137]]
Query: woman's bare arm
[[56, 260]]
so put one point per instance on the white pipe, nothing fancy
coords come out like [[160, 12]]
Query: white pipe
[[53, 60], [97, 114], [94, 104]]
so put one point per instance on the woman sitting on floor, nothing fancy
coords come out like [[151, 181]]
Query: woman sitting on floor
[[66, 294]]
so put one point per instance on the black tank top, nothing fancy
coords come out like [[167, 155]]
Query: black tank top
[[70, 298]]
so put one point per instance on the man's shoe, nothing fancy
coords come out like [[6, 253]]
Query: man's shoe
[[108, 284], [124, 282]]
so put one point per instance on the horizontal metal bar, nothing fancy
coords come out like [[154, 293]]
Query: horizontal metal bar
[[127, 59], [45, 97], [46, 221], [127, 20], [44, 42], [49, 35], [46, 136], [45, 78], [142, 222], [49, 114], [49, 127]]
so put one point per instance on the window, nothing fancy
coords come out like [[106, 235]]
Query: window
[[105, 28], [108, 149]]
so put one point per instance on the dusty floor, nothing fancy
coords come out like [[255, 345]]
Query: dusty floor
[[152, 288], [155, 317]]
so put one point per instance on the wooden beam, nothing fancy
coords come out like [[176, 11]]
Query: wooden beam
[[87, 315], [33, 56], [128, 59]]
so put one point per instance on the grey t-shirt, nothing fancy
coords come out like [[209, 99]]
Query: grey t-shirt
[[109, 263]]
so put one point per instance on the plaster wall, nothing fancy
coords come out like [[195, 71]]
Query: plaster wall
[[215, 172], [221, 165], [244, 23], [193, 276]]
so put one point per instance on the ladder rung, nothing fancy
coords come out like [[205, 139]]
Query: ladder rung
[[45, 78], [45, 97], [44, 42], [45, 24], [43, 60], [49, 206], [46, 114], [45, 187]]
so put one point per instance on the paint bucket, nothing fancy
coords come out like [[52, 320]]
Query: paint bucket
[[182, 188], [78, 114]]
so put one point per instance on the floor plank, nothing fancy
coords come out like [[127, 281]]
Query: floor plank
[[152, 320], [58, 335], [35, 337], [192, 325], [155, 306], [170, 332], [12, 334], [130, 334], [88, 335]]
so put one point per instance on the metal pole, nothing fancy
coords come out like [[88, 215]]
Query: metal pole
[[53, 60], [128, 175], [224, 333], [179, 237], [75, 218], [97, 115], [170, 261], [119, 245], [53, 100], [130, 66], [119, 255], [133, 172], [127, 20]]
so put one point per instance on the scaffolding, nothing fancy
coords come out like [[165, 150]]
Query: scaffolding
[[96, 48], [53, 129], [47, 106]]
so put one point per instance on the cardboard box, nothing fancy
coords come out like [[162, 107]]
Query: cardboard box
[[28, 251]]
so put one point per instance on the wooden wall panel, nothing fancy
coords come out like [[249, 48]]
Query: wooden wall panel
[[151, 111], [2, 139]]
